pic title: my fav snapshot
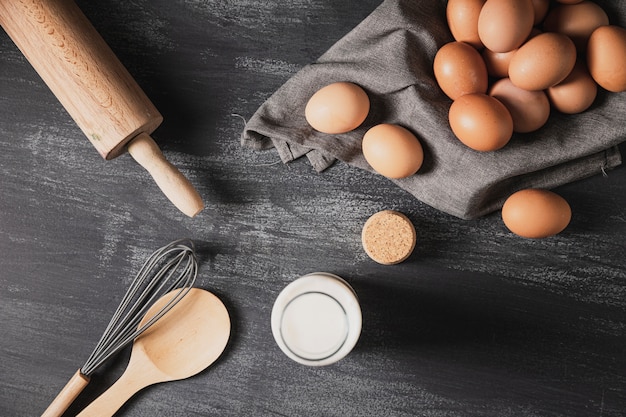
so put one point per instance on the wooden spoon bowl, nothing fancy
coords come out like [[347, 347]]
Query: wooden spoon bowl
[[182, 343]]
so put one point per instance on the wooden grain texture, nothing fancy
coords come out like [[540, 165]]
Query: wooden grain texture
[[81, 70], [185, 341], [94, 88], [477, 322]]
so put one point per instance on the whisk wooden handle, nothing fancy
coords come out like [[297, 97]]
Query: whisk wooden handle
[[85, 75], [173, 184], [68, 394]]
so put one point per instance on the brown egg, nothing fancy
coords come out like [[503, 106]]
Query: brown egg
[[503, 25], [536, 213], [459, 69], [543, 61], [541, 10], [462, 17], [606, 57], [576, 93], [498, 62], [392, 151], [337, 108], [577, 21], [529, 109], [481, 122]]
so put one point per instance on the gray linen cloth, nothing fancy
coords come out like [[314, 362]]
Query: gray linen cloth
[[390, 54]]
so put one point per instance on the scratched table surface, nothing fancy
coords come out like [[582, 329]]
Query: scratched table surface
[[477, 322]]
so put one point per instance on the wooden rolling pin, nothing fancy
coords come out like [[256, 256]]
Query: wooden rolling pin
[[94, 87]]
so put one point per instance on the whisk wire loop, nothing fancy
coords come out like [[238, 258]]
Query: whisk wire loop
[[168, 268]]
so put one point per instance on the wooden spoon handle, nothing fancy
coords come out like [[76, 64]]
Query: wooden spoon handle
[[107, 404], [67, 395], [169, 179]]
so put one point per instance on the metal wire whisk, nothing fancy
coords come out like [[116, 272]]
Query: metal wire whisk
[[171, 267]]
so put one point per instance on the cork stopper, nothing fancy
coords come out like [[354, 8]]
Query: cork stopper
[[388, 237]]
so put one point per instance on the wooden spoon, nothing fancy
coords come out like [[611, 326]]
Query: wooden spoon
[[185, 341]]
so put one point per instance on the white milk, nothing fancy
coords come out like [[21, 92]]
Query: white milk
[[316, 320]]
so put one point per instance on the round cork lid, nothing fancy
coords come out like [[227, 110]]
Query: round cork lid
[[388, 237]]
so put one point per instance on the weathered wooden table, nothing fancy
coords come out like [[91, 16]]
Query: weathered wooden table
[[477, 322]]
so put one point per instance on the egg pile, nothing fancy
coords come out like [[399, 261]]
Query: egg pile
[[513, 61]]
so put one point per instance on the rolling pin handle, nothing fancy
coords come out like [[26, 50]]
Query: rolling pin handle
[[174, 185]]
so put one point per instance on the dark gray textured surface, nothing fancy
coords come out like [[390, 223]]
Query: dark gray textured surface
[[477, 322]]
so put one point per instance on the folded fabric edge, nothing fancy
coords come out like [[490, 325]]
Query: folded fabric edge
[[487, 200], [491, 199]]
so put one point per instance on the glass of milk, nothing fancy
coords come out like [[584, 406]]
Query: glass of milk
[[316, 319]]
